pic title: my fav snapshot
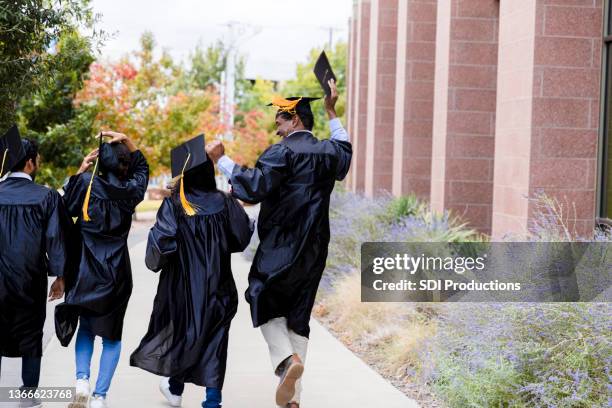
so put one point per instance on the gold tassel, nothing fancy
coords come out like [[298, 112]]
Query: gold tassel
[[88, 195], [3, 161], [190, 209], [285, 105]]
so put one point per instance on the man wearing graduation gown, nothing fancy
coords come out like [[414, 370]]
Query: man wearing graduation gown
[[191, 243], [293, 180], [33, 228], [104, 205]]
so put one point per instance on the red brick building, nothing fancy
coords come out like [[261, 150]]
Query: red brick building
[[476, 105]]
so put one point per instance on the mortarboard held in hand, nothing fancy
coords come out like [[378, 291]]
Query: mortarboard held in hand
[[11, 150], [323, 72], [184, 158]]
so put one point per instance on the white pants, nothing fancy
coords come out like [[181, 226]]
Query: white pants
[[283, 343]]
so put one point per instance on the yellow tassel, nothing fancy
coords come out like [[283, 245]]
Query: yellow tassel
[[285, 105], [88, 195], [3, 161], [190, 209]]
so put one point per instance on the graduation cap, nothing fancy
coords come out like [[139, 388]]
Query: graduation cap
[[324, 73], [294, 104], [11, 150], [185, 158]]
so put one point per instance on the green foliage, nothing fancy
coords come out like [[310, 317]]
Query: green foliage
[[404, 206], [48, 114], [524, 355], [207, 65], [27, 29]]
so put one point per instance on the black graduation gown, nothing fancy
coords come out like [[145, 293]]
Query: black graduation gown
[[293, 180], [103, 283], [196, 295], [33, 228]]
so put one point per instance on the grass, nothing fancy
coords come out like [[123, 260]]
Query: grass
[[148, 205]]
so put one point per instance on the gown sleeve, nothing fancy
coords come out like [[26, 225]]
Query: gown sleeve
[[74, 193], [344, 152], [57, 228], [241, 227], [139, 179], [161, 244], [254, 185]]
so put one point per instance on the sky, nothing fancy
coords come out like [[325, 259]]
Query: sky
[[275, 34]]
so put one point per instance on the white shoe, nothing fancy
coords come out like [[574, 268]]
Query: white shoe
[[97, 401], [81, 394], [82, 387], [164, 387]]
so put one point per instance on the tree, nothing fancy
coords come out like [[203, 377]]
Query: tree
[[28, 28]]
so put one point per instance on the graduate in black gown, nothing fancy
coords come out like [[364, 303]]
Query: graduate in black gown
[[197, 229], [293, 180], [33, 228], [104, 202]]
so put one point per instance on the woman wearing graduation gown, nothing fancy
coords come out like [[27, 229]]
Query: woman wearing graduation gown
[[293, 180], [104, 205], [191, 243]]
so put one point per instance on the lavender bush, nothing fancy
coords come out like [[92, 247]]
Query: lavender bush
[[489, 355]]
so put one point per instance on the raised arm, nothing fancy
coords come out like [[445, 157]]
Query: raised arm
[[339, 138], [139, 168], [253, 185]]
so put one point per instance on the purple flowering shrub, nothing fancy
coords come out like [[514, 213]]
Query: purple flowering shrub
[[481, 355]]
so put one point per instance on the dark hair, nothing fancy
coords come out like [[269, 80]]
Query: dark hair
[[307, 118], [201, 178], [31, 153], [117, 161]]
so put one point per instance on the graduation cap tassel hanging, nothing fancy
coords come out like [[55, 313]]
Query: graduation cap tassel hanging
[[85, 208], [189, 208], [3, 161], [88, 194]]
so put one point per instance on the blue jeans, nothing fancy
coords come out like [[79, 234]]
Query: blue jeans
[[213, 395], [84, 351]]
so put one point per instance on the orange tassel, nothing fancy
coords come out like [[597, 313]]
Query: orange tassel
[[3, 161], [88, 194], [285, 105], [190, 209]]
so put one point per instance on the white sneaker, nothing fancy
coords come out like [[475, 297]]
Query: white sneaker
[[81, 394], [164, 387], [97, 401]]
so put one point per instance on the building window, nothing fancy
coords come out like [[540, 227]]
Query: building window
[[605, 196]]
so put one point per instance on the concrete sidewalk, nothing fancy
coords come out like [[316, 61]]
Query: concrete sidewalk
[[334, 377]]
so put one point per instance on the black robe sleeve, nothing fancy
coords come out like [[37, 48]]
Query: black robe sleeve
[[161, 244], [139, 179], [254, 185], [241, 227], [58, 225], [74, 192], [344, 152]]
